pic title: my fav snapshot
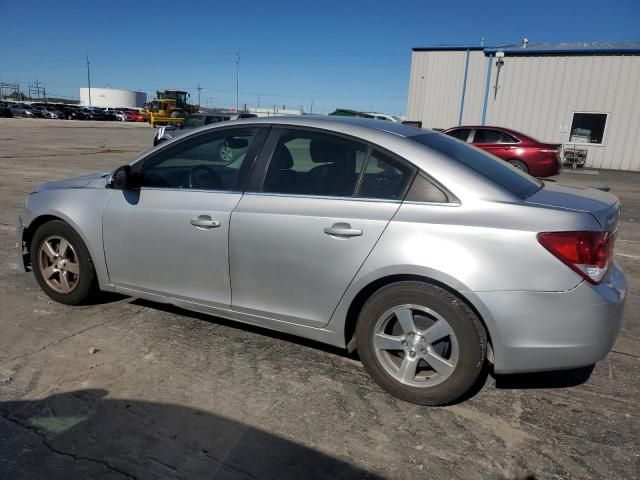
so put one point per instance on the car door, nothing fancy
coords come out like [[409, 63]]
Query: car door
[[170, 237], [303, 229], [491, 141]]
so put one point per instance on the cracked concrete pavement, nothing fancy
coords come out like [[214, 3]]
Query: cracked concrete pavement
[[174, 394]]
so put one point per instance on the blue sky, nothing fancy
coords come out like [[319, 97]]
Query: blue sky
[[352, 54]]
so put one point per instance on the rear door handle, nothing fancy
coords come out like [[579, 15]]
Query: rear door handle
[[204, 221], [342, 230]]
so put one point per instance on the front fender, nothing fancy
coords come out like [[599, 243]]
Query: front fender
[[81, 209]]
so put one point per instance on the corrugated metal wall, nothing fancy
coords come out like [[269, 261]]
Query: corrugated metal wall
[[536, 95]]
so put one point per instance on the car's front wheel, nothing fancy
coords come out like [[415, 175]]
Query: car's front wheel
[[62, 264], [421, 343]]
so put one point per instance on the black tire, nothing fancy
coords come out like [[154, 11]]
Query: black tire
[[469, 331], [87, 284], [519, 164]]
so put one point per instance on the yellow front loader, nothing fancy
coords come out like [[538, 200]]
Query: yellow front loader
[[169, 108]]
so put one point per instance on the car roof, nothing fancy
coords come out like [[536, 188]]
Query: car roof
[[490, 127], [523, 137], [346, 125]]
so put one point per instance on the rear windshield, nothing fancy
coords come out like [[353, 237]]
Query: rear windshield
[[511, 179]]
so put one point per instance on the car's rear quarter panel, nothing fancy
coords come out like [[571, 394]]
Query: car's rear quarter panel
[[479, 247]]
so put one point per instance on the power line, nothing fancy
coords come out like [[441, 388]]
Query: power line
[[261, 93]]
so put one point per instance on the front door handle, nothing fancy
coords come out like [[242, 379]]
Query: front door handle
[[204, 221], [342, 230]]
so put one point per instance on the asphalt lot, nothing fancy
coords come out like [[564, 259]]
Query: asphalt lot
[[130, 389]]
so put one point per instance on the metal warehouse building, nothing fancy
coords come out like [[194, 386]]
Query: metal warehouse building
[[583, 95], [112, 98]]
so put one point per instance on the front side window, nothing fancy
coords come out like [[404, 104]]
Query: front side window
[[310, 163], [460, 134], [207, 162], [588, 128], [384, 177]]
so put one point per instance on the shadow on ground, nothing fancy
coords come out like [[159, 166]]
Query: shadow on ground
[[555, 379], [83, 434], [539, 380], [165, 307]]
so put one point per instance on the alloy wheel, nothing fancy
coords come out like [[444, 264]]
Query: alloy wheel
[[58, 264], [415, 346]]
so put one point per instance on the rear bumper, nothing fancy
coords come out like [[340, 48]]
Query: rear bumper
[[538, 331], [547, 166]]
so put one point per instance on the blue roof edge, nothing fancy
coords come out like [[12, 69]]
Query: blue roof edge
[[558, 51], [511, 50]]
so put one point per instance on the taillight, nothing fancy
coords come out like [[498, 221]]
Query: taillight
[[587, 253]]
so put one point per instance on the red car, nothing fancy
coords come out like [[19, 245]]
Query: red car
[[133, 116], [534, 157]]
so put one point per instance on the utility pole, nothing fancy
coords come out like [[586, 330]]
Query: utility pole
[[89, 78], [311, 110], [258, 100], [237, 76], [199, 90]]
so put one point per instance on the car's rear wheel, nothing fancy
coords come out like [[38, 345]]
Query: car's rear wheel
[[519, 164], [421, 343], [62, 264]]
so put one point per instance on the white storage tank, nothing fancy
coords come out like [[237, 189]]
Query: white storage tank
[[112, 98]]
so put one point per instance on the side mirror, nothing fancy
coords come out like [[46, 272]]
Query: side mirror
[[122, 179]]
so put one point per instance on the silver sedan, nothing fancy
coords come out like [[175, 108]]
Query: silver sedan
[[429, 257]]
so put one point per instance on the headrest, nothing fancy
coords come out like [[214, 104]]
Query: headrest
[[282, 159], [326, 151]]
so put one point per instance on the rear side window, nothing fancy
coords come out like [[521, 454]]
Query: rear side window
[[492, 136], [511, 179], [384, 177], [460, 134], [309, 163]]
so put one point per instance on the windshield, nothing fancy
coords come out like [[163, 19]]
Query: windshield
[[498, 171]]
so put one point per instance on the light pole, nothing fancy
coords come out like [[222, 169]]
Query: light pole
[[89, 78], [237, 76]]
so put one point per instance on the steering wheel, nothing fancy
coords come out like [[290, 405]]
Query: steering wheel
[[203, 177]]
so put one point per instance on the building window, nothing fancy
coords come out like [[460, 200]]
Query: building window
[[588, 128]]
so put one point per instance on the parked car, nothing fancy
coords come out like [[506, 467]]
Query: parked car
[[426, 255], [38, 111], [5, 112], [119, 115], [22, 110], [75, 112], [92, 113], [384, 116], [522, 151], [108, 115], [49, 111], [62, 109], [195, 120], [134, 116]]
